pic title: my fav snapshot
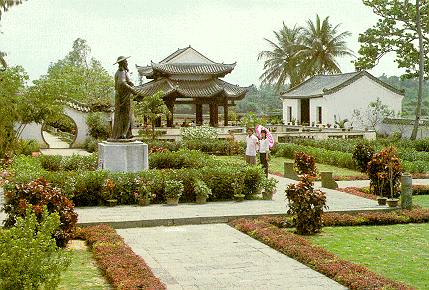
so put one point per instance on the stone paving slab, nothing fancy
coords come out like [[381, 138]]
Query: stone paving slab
[[219, 257]]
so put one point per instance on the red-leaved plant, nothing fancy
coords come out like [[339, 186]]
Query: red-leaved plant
[[39, 193], [307, 204], [120, 264], [305, 164]]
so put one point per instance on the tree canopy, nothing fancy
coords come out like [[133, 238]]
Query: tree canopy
[[301, 52], [395, 32], [79, 77], [403, 29]]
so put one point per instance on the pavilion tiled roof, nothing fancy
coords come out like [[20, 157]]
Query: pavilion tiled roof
[[320, 85], [192, 88], [216, 69]]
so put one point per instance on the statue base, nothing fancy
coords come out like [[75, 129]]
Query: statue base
[[123, 156]]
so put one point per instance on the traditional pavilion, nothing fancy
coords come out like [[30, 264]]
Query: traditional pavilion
[[188, 77]]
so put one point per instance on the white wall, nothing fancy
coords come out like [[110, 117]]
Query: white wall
[[294, 103], [359, 95]]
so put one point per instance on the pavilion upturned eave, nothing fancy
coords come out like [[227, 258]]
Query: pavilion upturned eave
[[192, 89]]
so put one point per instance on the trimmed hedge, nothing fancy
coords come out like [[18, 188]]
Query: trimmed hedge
[[85, 187]]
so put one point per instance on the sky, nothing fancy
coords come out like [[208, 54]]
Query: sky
[[40, 32]]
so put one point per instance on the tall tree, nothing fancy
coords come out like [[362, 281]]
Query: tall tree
[[303, 52], [322, 45], [152, 108], [403, 29], [80, 77], [281, 63]]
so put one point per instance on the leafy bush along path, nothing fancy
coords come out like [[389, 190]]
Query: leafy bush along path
[[269, 231], [124, 269]]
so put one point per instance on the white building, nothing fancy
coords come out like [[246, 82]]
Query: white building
[[321, 98]]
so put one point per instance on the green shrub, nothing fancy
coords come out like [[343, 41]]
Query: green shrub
[[126, 185], [98, 127], [91, 144], [179, 159], [198, 133], [362, 155], [307, 204], [78, 162], [29, 258], [26, 147], [201, 189], [253, 176], [40, 193], [88, 187], [50, 162], [220, 179], [173, 188]]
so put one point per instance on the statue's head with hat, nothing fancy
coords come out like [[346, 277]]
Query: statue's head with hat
[[122, 61]]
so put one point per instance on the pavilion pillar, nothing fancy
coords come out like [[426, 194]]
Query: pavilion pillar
[[199, 114], [225, 114], [214, 115], [170, 106]]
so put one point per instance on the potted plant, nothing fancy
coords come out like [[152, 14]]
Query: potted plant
[[238, 187], [173, 190], [270, 186], [143, 193], [202, 191], [107, 192], [381, 199], [392, 160]]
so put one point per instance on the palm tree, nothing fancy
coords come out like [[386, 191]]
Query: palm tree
[[323, 45], [281, 63]]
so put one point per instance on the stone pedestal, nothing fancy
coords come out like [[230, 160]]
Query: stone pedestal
[[289, 171], [327, 180], [407, 191], [123, 156]]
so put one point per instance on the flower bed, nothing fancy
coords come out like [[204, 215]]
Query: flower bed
[[123, 268], [346, 273]]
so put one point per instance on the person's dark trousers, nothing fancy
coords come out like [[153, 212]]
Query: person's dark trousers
[[264, 162]]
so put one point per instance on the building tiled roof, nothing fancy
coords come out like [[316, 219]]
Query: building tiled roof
[[320, 85], [422, 122], [192, 88]]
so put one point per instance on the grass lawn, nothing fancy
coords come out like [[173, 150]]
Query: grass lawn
[[277, 164], [422, 200], [397, 251], [83, 273]]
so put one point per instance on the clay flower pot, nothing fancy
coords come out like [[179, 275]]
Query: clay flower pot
[[112, 202], [381, 200], [239, 197], [144, 202], [201, 199], [172, 200], [393, 202], [267, 195]]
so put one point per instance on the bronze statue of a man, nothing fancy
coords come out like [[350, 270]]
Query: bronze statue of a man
[[124, 90]]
